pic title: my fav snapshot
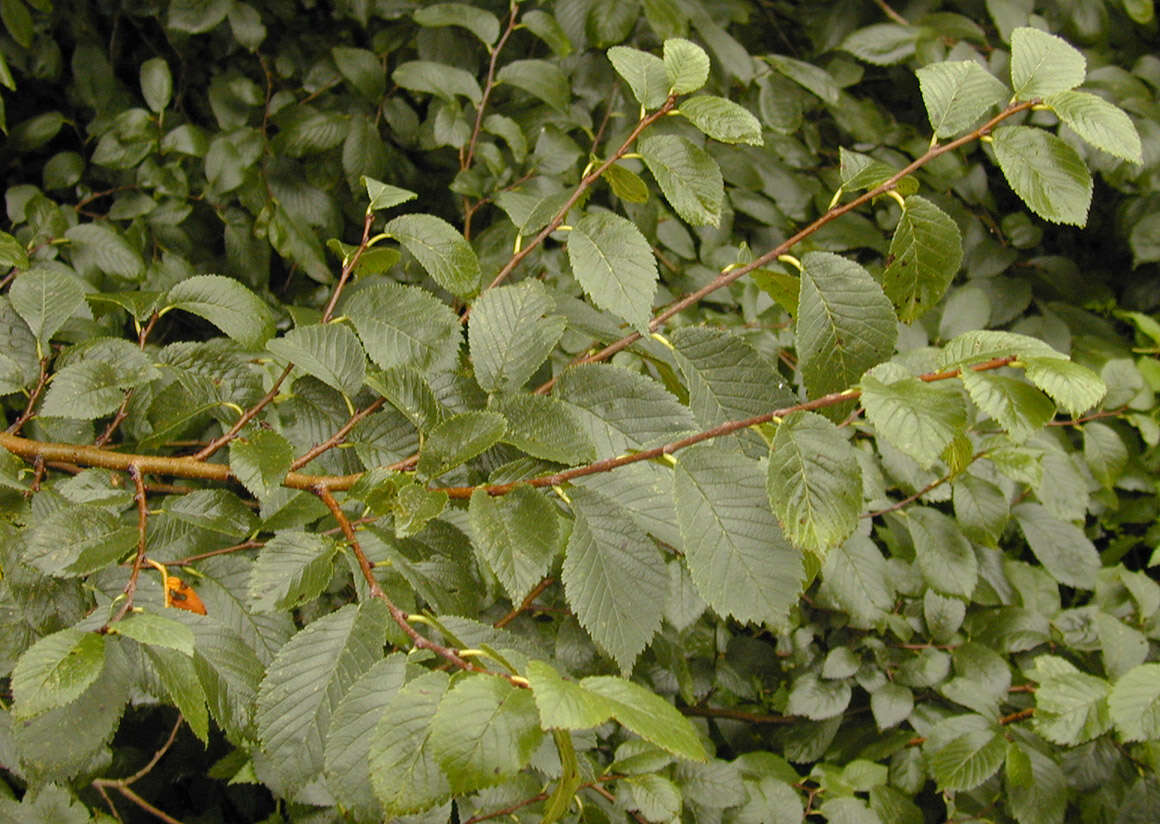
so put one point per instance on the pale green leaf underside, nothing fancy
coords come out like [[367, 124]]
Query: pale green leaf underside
[[1042, 64], [1100, 123], [614, 264], [687, 175], [1045, 172], [957, 94], [329, 352]]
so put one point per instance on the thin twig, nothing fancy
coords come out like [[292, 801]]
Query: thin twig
[[537, 590], [468, 154], [349, 267], [891, 13], [337, 438], [738, 715], [909, 499], [247, 416], [142, 516], [122, 784], [33, 397]]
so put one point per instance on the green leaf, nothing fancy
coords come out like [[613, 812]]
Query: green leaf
[[511, 333], [459, 439], [246, 25], [686, 65], [217, 510], [1047, 174], [855, 577], [1076, 388], [813, 78], [816, 699], [305, 682], [55, 671], [156, 631], [964, 751], [891, 704], [919, 418], [351, 733], [328, 351], [440, 250], [363, 70], [984, 344], [405, 326], [814, 482], [957, 94], [626, 185], [736, 554], [227, 304], [1062, 548], [484, 732], [925, 254], [539, 78], [292, 569], [178, 676], [517, 535], [156, 83], [648, 715], [547, 28], [655, 797], [1021, 409], [1097, 121], [722, 119], [980, 508], [46, 298], [384, 195], [77, 540], [1044, 799], [196, 16], [1105, 453], [1070, 706], [439, 79], [882, 43], [688, 176], [404, 771], [614, 264], [229, 672], [544, 428], [564, 704], [260, 461], [1043, 64], [95, 245], [845, 323], [1134, 703], [644, 73], [12, 252], [86, 390], [483, 24], [614, 578], [944, 556], [407, 391]]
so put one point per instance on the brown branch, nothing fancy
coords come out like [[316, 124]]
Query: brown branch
[[1017, 716], [536, 592], [145, 805], [909, 499], [337, 438], [468, 155], [519, 805], [139, 559], [738, 715], [581, 188], [122, 784], [727, 276], [33, 397], [891, 13], [1094, 416], [212, 553], [349, 267], [247, 416]]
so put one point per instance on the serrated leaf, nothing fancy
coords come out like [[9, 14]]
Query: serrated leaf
[[722, 119], [539, 78], [614, 264], [1076, 388], [1070, 706], [55, 671], [845, 324], [891, 704], [1021, 409], [809, 76], [917, 417], [1134, 703], [1047, 174], [856, 578], [813, 698], [77, 540], [980, 508], [511, 333], [178, 676], [217, 510], [362, 70], [1044, 799], [484, 731], [292, 569], [882, 44], [156, 631], [644, 73], [260, 461], [103, 248], [985, 344], [736, 554], [228, 305], [944, 556], [965, 751], [404, 771], [814, 482], [384, 195], [686, 65], [305, 682], [1062, 548], [614, 578], [229, 671], [1105, 453], [926, 252], [407, 391], [349, 739], [1043, 64], [957, 94], [626, 185], [517, 535], [648, 715], [405, 326], [444, 81], [328, 351], [565, 704], [440, 250], [1097, 121], [44, 299], [480, 22], [459, 439], [688, 176], [545, 428], [86, 390]]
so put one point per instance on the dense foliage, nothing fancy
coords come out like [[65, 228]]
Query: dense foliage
[[601, 410]]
